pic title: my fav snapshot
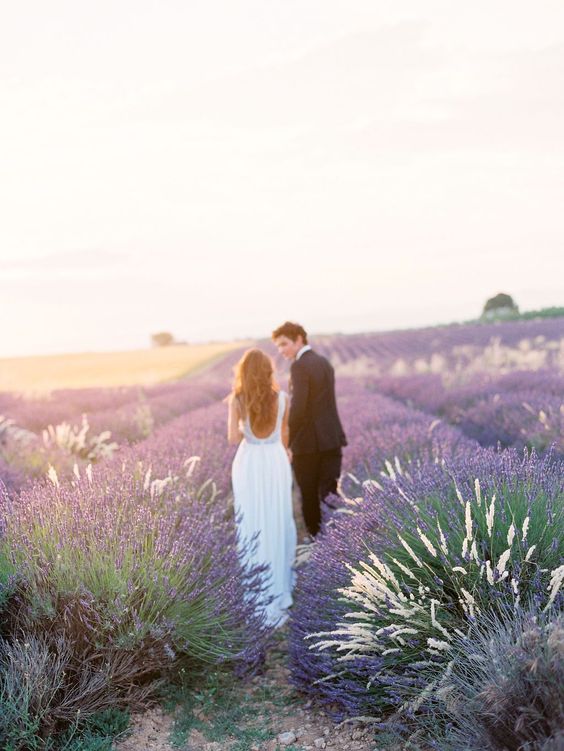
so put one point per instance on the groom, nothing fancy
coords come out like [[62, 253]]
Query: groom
[[316, 433]]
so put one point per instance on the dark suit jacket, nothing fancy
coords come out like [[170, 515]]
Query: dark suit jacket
[[314, 421]]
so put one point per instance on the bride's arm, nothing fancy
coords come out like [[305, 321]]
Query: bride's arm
[[286, 430], [234, 435]]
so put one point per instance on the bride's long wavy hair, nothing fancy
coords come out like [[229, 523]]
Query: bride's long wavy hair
[[257, 389]]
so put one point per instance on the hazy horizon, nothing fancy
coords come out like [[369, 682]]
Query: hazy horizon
[[258, 337], [213, 169]]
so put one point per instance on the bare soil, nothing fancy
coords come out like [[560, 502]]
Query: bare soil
[[264, 713]]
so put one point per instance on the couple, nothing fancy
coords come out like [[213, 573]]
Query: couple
[[275, 433]]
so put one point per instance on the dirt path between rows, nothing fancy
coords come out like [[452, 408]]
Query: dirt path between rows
[[264, 713]]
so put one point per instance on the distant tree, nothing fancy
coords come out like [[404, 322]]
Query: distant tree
[[500, 306], [162, 339]]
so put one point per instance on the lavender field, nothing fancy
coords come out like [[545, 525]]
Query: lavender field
[[440, 562]]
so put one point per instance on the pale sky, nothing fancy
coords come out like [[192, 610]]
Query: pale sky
[[214, 167]]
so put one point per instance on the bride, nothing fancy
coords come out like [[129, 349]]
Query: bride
[[262, 476]]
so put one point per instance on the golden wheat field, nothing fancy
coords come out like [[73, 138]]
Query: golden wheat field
[[45, 373]]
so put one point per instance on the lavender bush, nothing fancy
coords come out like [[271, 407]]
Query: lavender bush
[[44, 689], [135, 571], [428, 551], [504, 691], [156, 554], [50, 700]]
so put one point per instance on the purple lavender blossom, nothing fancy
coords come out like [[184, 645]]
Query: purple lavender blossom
[[528, 490]]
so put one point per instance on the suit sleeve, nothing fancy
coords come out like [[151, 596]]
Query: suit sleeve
[[300, 396]]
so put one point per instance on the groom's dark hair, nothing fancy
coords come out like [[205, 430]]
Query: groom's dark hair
[[291, 330]]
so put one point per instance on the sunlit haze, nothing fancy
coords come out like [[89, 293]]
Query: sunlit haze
[[213, 168]]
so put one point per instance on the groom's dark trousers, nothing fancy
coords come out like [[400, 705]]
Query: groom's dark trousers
[[316, 433]]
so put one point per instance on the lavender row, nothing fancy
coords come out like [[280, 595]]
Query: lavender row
[[521, 409], [127, 411], [488, 346], [382, 429], [107, 432]]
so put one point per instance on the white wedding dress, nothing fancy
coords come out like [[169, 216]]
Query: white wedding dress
[[262, 490]]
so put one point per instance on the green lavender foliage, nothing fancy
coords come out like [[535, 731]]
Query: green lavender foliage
[[451, 547]]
